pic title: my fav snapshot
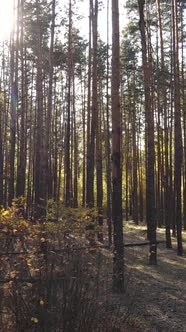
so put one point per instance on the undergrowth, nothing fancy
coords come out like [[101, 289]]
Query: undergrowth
[[48, 282]]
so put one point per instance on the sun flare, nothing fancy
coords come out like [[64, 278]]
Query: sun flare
[[6, 18]]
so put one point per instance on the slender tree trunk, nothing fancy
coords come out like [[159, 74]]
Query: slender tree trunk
[[40, 147], [99, 167], [75, 149], [88, 198], [94, 120], [164, 96], [108, 148], [20, 189], [49, 106], [84, 143], [150, 193], [177, 131], [1, 156], [117, 217], [68, 127], [134, 166], [13, 87]]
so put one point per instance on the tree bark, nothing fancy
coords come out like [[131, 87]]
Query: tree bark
[[117, 217], [149, 116]]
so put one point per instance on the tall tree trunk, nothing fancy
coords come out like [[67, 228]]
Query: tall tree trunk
[[134, 166], [108, 148], [184, 110], [99, 166], [94, 120], [117, 217], [68, 127], [177, 131], [49, 108], [40, 143], [20, 189], [84, 143], [88, 198], [1, 156], [13, 87], [149, 116], [75, 204], [164, 96]]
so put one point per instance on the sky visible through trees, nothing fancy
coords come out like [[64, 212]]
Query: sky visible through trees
[[6, 15]]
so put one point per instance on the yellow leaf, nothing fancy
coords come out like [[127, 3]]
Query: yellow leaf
[[34, 320], [5, 213], [43, 239], [24, 224]]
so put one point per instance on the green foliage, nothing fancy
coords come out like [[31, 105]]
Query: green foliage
[[33, 25], [79, 47], [102, 59], [11, 221], [71, 220]]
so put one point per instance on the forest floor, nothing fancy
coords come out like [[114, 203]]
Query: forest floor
[[157, 293], [78, 280]]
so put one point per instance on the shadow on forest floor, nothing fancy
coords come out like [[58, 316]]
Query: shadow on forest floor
[[159, 292]]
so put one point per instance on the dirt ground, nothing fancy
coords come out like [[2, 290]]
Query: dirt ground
[[157, 293]]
